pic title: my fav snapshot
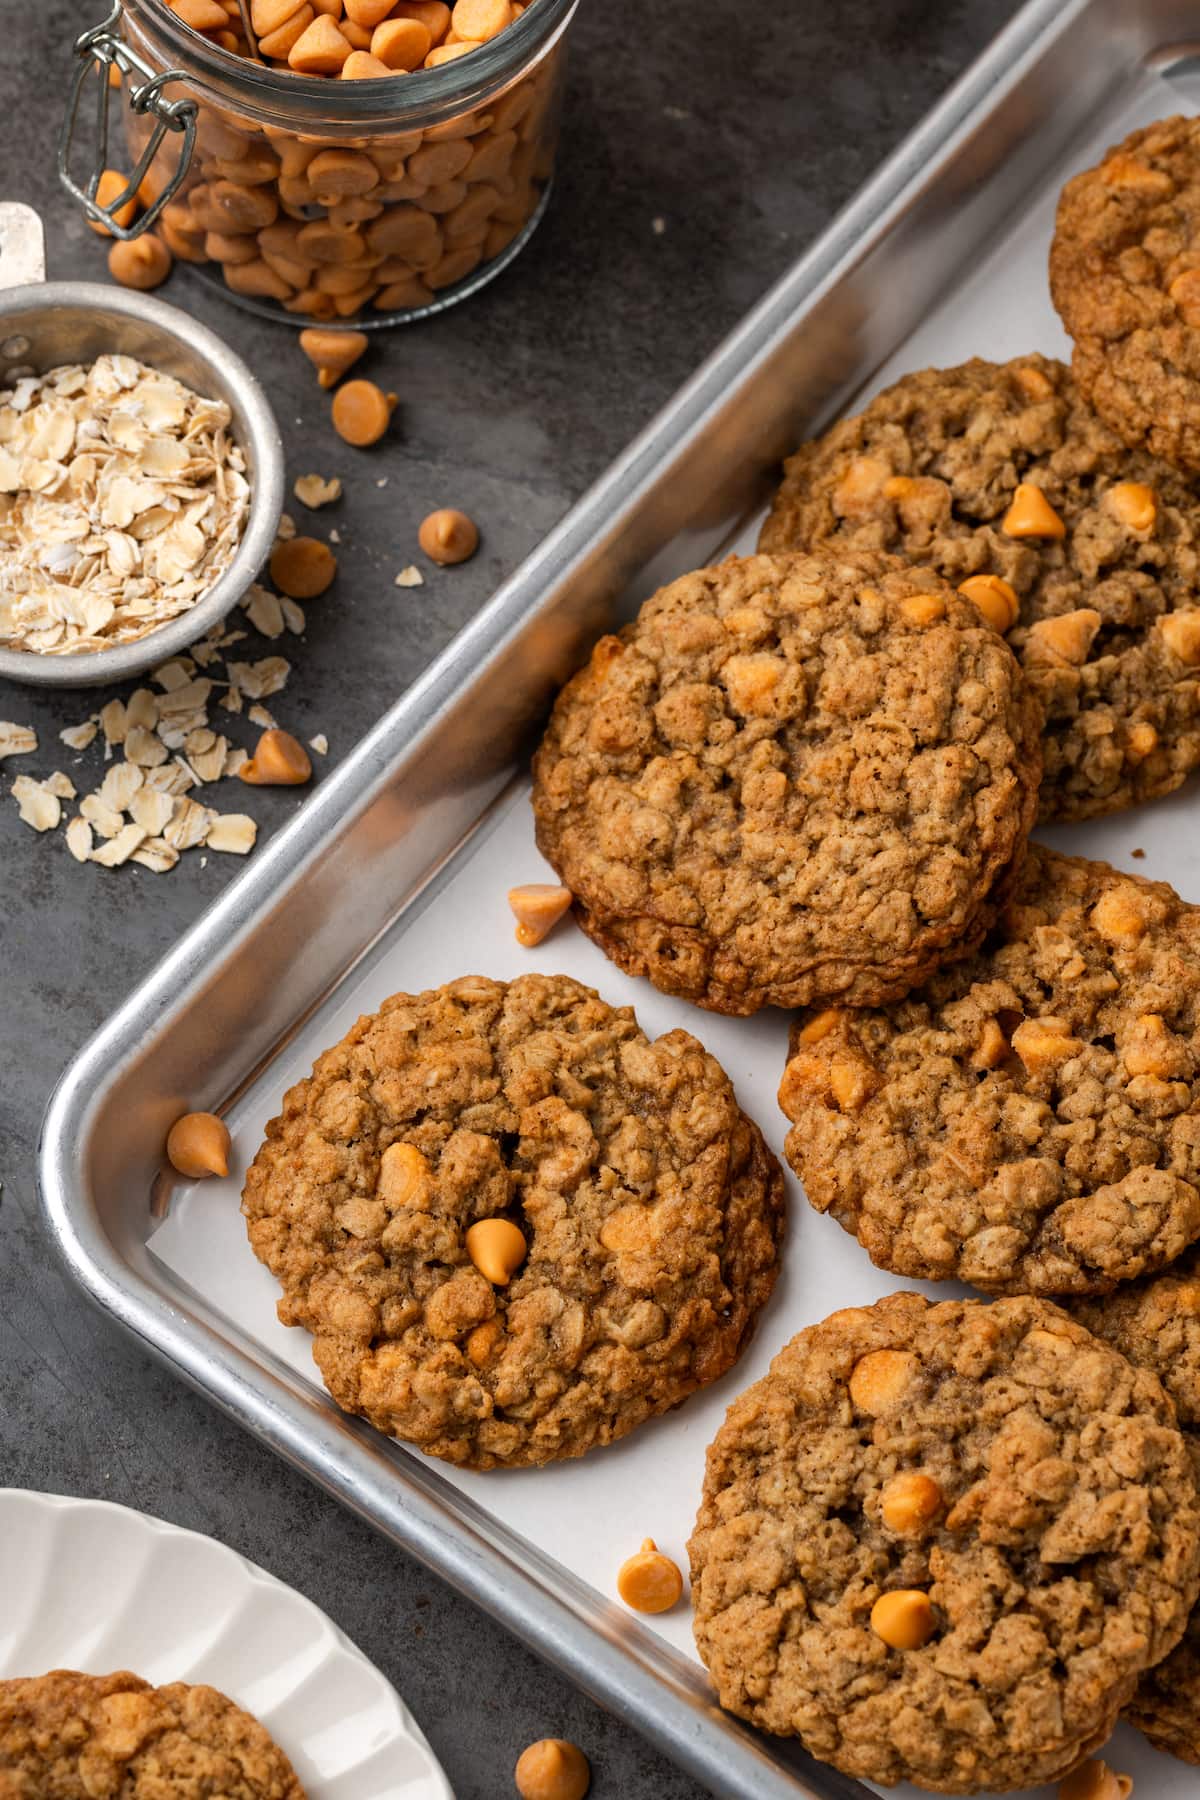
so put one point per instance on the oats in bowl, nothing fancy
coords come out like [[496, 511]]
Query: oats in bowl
[[123, 497]]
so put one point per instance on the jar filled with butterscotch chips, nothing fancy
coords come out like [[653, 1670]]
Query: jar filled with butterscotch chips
[[339, 161]]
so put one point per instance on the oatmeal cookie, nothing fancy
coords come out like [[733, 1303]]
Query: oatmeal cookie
[[1029, 1121], [65, 1736], [1019, 1489], [791, 779], [1125, 278], [1002, 471], [1155, 1322], [649, 1204]]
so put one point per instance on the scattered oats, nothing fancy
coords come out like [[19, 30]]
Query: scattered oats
[[143, 748], [314, 491], [233, 833], [293, 615], [261, 715], [119, 849], [208, 761], [113, 722], [381, 481], [235, 759], [16, 740], [123, 495], [264, 611], [188, 825], [157, 855], [120, 784], [175, 673], [60, 785], [172, 778], [231, 700], [105, 820], [335, 536], [257, 680], [153, 812], [36, 805], [79, 839], [410, 577], [142, 709], [78, 737], [285, 529], [320, 744], [658, 226]]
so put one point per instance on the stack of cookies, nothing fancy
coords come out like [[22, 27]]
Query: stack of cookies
[[940, 1542]]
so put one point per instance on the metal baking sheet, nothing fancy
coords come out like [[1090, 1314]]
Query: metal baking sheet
[[402, 858]]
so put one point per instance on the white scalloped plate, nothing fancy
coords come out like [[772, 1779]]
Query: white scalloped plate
[[96, 1587]]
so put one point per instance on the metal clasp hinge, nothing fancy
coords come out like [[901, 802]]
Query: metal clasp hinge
[[99, 50]]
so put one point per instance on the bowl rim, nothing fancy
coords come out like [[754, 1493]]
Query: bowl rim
[[260, 436]]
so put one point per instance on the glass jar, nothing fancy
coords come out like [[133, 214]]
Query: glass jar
[[341, 202]]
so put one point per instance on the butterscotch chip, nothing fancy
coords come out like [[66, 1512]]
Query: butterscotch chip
[[820, 819], [1123, 276], [995, 1649], [643, 1208], [1002, 478], [66, 1734], [1031, 1120], [1155, 1322]]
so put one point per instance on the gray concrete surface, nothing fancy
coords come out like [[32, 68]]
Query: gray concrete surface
[[742, 129]]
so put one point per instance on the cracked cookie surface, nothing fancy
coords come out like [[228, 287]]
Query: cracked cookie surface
[[1056, 1545], [650, 1205], [1029, 1120], [790, 779], [67, 1736], [938, 469], [1155, 1322], [1125, 278]]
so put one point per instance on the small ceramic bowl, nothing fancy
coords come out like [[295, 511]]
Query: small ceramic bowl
[[44, 324]]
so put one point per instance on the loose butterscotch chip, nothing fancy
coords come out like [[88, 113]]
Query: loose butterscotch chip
[[552, 1769], [648, 1581], [303, 567], [515, 1226], [818, 1619], [1094, 1780], [198, 1144], [537, 907]]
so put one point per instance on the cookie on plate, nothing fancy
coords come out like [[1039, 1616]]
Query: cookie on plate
[[1155, 1322], [1125, 278], [1085, 554], [66, 1736], [940, 1543], [636, 1213], [1029, 1120], [791, 780]]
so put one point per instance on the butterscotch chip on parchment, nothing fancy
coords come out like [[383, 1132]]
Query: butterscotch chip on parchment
[[792, 780], [1029, 1120], [987, 1643], [1125, 278], [514, 1225], [1086, 555], [67, 1736]]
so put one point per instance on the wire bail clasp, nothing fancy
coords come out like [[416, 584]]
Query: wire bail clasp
[[99, 50]]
